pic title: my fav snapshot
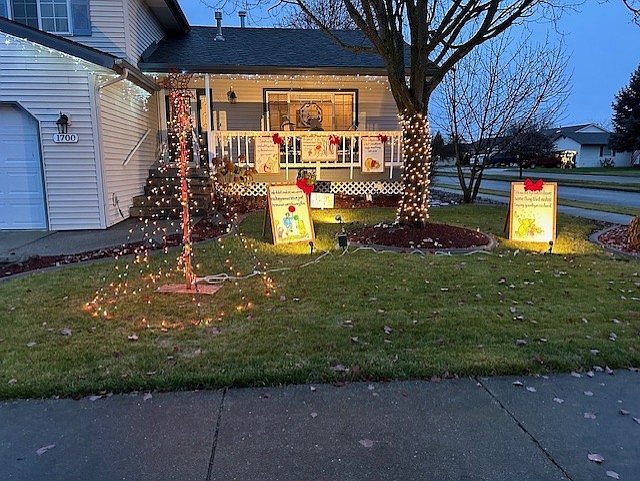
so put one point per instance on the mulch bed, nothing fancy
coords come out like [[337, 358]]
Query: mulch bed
[[432, 237]]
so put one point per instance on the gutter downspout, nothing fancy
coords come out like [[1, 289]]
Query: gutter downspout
[[122, 76]]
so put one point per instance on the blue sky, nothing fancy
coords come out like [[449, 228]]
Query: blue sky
[[602, 43]]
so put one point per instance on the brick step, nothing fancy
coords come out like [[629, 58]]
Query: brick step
[[162, 213], [173, 190], [203, 201]]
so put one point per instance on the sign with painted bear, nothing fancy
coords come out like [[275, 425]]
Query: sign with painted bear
[[532, 213], [290, 214]]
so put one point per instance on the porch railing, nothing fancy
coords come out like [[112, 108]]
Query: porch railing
[[233, 144]]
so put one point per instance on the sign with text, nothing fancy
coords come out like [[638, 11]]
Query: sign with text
[[290, 214], [321, 200], [317, 148], [65, 138], [372, 155], [532, 214], [267, 156]]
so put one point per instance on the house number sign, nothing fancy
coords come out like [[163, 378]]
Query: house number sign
[[65, 138]]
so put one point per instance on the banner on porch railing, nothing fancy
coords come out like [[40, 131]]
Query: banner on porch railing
[[267, 160], [372, 155], [290, 214], [318, 148]]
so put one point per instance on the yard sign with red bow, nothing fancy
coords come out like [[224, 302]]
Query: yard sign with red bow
[[532, 211]]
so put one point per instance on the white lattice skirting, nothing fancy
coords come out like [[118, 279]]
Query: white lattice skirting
[[349, 188]]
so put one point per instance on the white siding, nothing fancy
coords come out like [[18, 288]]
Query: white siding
[[107, 27], [124, 121], [588, 156], [44, 84], [143, 29]]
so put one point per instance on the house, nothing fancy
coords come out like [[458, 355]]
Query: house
[[83, 115], [589, 144]]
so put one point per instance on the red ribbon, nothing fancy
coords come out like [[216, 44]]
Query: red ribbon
[[533, 186], [334, 139], [277, 139], [304, 184], [382, 138]]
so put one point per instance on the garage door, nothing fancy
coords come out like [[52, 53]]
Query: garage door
[[22, 203]]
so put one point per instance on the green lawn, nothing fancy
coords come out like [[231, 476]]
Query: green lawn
[[323, 317]]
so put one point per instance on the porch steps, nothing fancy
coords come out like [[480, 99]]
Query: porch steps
[[161, 199]]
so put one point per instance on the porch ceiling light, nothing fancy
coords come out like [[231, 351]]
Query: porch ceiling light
[[62, 123], [231, 96]]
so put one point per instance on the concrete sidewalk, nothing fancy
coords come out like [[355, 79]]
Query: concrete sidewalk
[[497, 429]]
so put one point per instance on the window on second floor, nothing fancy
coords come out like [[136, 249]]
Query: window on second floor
[[49, 15]]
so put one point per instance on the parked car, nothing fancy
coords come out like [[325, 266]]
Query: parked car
[[549, 161], [502, 159]]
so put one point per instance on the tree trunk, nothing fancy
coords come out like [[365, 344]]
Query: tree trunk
[[413, 208]]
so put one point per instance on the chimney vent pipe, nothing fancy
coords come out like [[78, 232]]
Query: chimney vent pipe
[[242, 14], [218, 17]]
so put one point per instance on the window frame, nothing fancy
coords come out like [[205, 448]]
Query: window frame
[[289, 91], [69, 30]]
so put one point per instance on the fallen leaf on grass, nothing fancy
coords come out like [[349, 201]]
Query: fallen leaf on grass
[[521, 342], [132, 337], [518, 383], [31, 343], [613, 474], [596, 458], [12, 381], [44, 449], [589, 416], [637, 420], [558, 400], [95, 397], [339, 368], [312, 389], [624, 412], [314, 415], [387, 330], [66, 331], [588, 393], [613, 336], [367, 443], [531, 389]]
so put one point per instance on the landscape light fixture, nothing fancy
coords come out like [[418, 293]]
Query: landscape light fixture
[[338, 218], [550, 246], [62, 123], [311, 247], [231, 96]]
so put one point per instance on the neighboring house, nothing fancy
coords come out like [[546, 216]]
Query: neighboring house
[[99, 62], [590, 144]]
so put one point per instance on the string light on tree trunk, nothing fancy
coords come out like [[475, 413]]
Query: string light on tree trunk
[[413, 208]]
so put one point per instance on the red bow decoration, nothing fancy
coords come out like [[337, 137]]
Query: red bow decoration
[[533, 186], [334, 139], [304, 184], [277, 139], [382, 138]]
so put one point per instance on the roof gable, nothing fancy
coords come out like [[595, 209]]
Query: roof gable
[[263, 50]]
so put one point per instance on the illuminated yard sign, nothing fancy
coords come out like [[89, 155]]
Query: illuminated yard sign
[[532, 213], [290, 214]]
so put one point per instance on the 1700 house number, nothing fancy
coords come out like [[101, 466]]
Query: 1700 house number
[[65, 138]]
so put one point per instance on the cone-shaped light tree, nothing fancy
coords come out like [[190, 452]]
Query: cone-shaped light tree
[[437, 34]]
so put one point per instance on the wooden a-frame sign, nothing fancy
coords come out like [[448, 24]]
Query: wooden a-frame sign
[[289, 213]]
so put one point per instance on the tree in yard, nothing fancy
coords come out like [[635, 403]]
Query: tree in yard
[[499, 98], [626, 116], [440, 34]]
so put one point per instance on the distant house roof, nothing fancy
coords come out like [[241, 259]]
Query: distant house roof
[[597, 137], [263, 50], [78, 50]]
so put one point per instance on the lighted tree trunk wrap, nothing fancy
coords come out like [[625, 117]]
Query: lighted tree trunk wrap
[[413, 208], [181, 105]]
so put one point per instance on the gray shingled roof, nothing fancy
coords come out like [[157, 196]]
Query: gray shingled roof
[[262, 50], [583, 138]]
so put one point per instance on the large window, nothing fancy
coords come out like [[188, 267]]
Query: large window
[[49, 15], [307, 110]]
